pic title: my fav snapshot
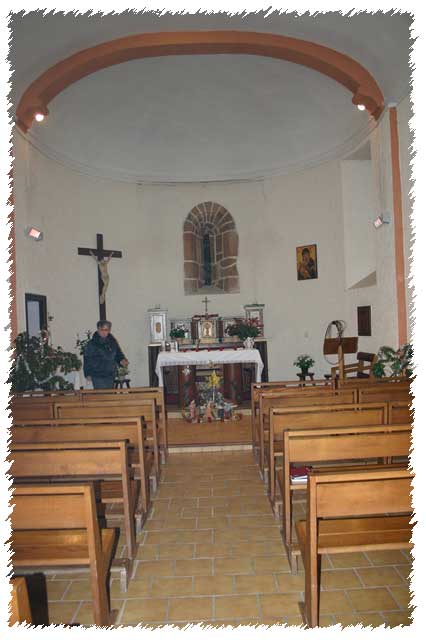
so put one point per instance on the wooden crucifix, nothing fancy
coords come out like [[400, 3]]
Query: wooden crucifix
[[206, 302], [102, 257]]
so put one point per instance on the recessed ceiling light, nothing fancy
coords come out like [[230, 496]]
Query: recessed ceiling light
[[361, 107], [39, 117]]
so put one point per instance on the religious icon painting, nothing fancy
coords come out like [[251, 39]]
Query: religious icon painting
[[307, 262]]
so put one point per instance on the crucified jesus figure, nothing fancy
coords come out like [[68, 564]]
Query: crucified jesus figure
[[103, 269]]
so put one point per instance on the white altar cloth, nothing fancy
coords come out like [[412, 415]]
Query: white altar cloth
[[227, 356]]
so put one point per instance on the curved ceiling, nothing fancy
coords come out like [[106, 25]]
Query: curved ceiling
[[200, 118]]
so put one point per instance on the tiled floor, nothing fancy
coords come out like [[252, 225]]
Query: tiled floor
[[212, 552]]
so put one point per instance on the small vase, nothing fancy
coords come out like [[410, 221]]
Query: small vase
[[249, 343]]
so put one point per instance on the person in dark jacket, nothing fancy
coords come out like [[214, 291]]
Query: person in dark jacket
[[102, 355]]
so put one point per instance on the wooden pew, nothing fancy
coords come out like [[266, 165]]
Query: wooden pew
[[20, 610], [317, 417], [339, 444], [384, 393], [32, 411], [94, 429], [258, 387], [131, 396], [144, 409], [349, 512], [57, 526], [73, 461], [291, 398], [400, 412]]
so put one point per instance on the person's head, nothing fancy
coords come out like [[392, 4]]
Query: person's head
[[104, 328], [306, 255]]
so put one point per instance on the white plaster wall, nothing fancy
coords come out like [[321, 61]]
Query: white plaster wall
[[406, 139], [358, 214], [145, 222]]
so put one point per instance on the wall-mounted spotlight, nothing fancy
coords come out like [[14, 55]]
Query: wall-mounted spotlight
[[39, 117], [382, 219], [361, 107], [34, 233]]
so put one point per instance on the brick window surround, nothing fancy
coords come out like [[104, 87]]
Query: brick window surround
[[212, 219]]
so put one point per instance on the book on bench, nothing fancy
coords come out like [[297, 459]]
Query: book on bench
[[299, 474]]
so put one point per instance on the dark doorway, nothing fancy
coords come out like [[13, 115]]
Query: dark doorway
[[35, 313]]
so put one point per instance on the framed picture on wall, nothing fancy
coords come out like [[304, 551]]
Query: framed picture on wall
[[307, 262], [364, 321]]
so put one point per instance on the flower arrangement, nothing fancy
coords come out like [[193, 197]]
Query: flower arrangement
[[394, 362], [176, 333], [304, 362], [244, 328]]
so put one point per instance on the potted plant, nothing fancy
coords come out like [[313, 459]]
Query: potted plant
[[394, 362], [122, 373], [178, 334], [304, 362], [244, 329]]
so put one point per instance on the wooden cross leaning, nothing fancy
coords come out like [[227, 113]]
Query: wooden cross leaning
[[102, 257]]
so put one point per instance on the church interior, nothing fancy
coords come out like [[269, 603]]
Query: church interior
[[212, 424]]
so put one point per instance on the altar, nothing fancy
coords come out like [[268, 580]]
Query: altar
[[202, 344]]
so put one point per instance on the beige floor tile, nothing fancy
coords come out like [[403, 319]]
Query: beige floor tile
[[62, 612], [233, 565], [56, 589], [367, 620], [188, 609], [349, 560], [213, 585], [380, 576], [79, 590], [340, 579], [201, 512], [195, 537], [295, 620], [213, 551], [163, 537], [171, 587], [147, 552], [387, 557], [252, 549], [199, 566], [371, 600], [138, 588], [395, 619], [271, 564], [144, 610], [176, 551], [327, 620], [178, 523], [255, 584], [277, 605], [155, 568], [404, 570], [236, 606], [401, 595], [288, 582], [216, 522], [334, 602]]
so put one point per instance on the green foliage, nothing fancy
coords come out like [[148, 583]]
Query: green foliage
[[81, 343], [177, 332], [394, 362], [243, 329], [38, 365], [304, 362], [122, 372]]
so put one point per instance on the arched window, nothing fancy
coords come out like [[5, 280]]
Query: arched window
[[210, 247]]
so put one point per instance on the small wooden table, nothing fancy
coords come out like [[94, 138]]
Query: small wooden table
[[120, 383], [303, 376]]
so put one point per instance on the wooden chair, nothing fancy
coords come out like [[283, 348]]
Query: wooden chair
[[132, 396], [94, 429], [292, 398], [64, 461], [317, 417], [57, 526], [362, 368], [20, 610], [324, 446], [144, 409], [349, 512]]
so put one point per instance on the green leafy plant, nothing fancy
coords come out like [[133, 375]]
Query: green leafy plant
[[244, 329], [122, 372], [394, 362], [177, 332], [38, 365], [304, 362], [81, 343]]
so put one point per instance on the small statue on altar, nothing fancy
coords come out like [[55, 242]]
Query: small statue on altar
[[227, 410], [209, 414], [193, 412]]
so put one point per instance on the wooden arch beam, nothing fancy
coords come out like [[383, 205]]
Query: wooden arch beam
[[333, 64]]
